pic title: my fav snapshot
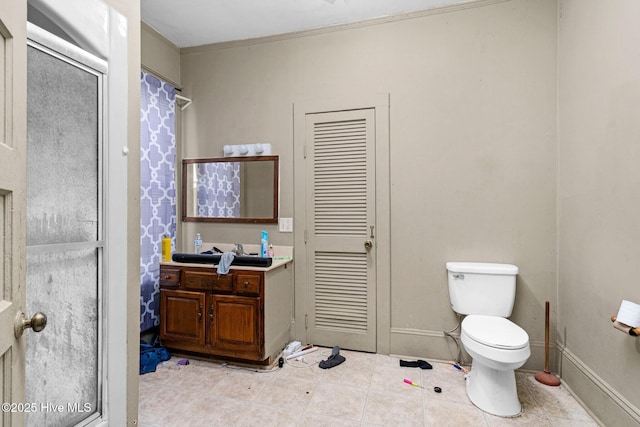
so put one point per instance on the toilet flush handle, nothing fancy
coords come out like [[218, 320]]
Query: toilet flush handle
[[458, 276]]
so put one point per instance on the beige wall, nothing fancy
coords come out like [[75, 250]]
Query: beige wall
[[599, 207], [159, 55], [472, 145]]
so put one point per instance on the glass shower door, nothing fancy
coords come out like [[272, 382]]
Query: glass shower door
[[64, 238]]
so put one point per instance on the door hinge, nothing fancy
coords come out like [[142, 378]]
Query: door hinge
[[304, 151], [305, 236], [306, 321]]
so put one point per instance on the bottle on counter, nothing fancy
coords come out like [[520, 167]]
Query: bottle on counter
[[166, 248], [270, 253], [264, 244], [197, 243]]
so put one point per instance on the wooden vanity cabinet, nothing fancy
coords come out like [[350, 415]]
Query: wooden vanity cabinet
[[220, 315]]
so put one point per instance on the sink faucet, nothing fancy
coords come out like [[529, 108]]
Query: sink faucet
[[238, 250]]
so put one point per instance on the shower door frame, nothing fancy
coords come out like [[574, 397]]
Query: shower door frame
[[50, 44]]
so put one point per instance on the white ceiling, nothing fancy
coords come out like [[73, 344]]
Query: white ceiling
[[197, 22]]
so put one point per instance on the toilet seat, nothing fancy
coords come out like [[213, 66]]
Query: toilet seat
[[494, 331]]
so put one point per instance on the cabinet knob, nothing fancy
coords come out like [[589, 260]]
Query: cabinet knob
[[246, 284]]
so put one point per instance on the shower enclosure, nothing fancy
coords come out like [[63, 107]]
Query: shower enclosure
[[64, 231]]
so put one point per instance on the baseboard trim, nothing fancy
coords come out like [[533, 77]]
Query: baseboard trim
[[438, 346], [420, 332], [440, 334], [617, 401]]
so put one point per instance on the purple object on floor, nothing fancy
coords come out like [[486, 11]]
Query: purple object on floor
[[183, 362]]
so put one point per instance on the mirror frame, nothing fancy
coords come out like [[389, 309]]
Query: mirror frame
[[276, 189]]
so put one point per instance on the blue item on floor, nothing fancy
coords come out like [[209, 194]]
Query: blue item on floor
[[151, 356]]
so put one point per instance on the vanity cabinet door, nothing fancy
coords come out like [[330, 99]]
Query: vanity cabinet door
[[182, 316], [235, 327]]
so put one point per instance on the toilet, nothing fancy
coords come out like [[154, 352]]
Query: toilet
[[485, 293]]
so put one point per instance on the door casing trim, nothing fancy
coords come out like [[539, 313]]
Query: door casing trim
[[380, 102]]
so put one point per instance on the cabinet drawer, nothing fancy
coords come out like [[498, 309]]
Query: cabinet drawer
[[207, 280], [169, 276], [248, 283]]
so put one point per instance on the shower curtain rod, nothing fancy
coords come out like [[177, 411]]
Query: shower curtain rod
[[182, 98]]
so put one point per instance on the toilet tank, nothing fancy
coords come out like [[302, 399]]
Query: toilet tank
[[482, 288]]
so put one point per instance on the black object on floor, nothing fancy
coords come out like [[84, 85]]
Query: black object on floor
[[334, 360], [422, 364]]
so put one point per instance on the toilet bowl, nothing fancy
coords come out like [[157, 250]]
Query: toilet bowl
[[485, 294], [497, 347]]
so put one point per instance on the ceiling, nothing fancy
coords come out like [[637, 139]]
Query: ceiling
[[197, 22]]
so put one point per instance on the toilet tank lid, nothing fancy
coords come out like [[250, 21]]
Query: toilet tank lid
[[481, 268]]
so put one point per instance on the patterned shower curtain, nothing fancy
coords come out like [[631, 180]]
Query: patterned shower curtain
[[157, 189], [219, 189]]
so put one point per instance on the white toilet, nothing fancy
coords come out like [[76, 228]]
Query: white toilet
[[485, 293]]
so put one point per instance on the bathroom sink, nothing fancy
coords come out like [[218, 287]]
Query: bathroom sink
[[245, 261]]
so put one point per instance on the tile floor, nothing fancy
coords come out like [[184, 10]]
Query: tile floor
[[365, 390]]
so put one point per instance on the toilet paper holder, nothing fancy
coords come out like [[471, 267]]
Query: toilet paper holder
[[634, 332]]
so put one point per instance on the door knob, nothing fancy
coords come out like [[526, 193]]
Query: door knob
[[38, 322], [368, 244]]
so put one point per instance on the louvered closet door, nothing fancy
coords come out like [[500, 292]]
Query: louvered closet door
[[341, 212]]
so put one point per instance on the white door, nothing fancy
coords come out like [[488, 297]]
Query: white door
[[340, 229], [13, 143]]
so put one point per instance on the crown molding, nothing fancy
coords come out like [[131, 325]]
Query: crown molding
[[472, 4]]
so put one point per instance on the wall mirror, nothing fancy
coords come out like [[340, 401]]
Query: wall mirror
[[230, 189]]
